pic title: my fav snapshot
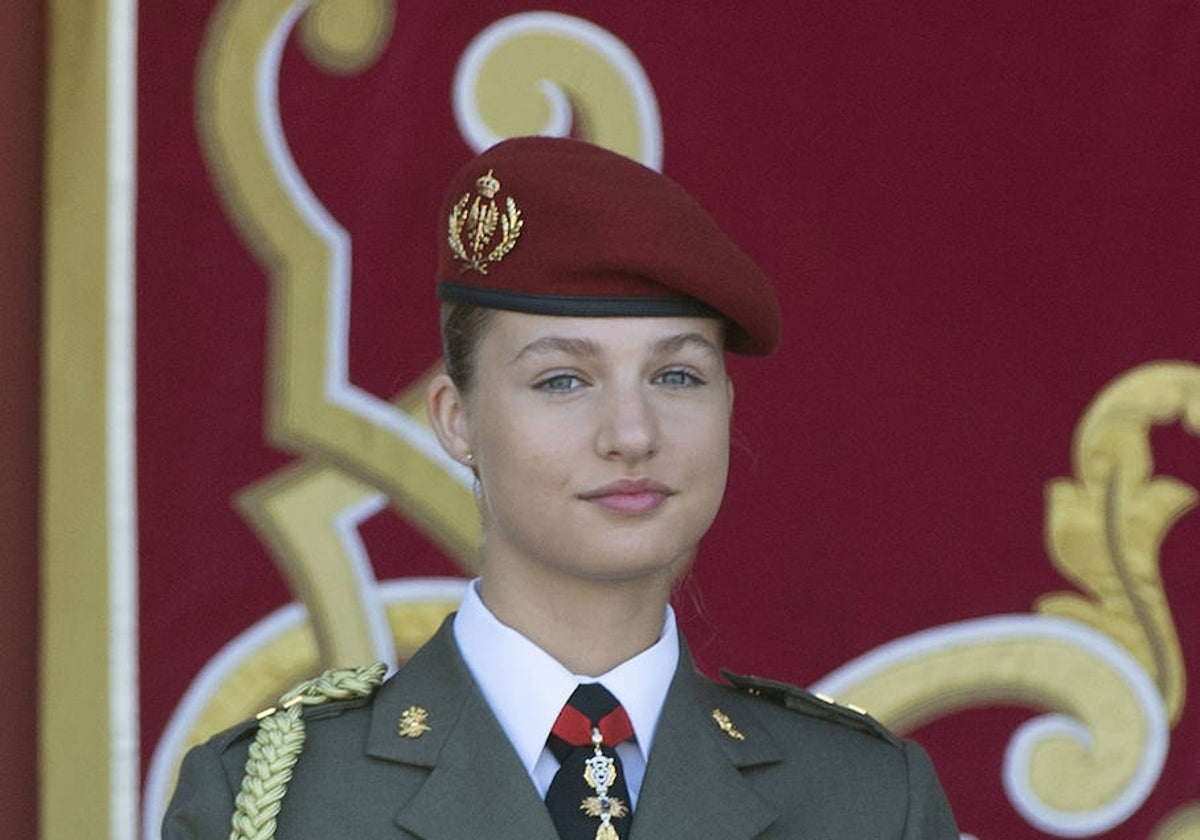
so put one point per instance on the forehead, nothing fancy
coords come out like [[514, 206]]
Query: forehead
[[512, 332]]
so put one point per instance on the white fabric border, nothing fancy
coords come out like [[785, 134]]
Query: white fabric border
[[1025, 739], [121, 419]]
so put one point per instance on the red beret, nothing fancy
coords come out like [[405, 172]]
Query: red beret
[[562, 227]]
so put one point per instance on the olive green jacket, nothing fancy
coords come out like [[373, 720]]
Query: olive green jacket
[[784, 765]]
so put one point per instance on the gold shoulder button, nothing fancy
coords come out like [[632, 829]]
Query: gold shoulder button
[[808, 703]]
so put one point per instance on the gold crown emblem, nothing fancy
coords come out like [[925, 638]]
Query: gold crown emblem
[[474, 223], [487, 185]]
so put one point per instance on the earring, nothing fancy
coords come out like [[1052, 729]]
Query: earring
[[469, 458]]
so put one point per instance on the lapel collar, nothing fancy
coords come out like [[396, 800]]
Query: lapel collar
[[476, 785], [694, 785]]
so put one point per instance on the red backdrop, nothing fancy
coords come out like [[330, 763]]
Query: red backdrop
[[977, 217]]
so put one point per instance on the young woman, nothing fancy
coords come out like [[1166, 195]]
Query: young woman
[[588, 304]]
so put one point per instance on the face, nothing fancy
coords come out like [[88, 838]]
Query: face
[[601, 444]]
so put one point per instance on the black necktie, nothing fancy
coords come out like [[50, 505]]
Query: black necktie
[[588, 799]]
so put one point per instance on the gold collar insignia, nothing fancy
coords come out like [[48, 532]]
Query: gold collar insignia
[[726, 725], [414, 722]]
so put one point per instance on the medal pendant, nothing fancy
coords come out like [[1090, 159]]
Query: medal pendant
[[600, 772], [605, 831], [594, 806]]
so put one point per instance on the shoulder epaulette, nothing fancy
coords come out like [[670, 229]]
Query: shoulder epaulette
[[278, 743], [815, 705]]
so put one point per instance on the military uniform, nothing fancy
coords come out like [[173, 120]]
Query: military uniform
[[557, 227], [814, 771]]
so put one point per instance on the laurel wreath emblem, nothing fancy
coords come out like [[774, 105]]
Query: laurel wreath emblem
[[473, 224]]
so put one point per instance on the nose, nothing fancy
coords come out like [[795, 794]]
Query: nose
[[628, 428]]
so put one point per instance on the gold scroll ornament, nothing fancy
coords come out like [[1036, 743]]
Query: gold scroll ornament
[[1107, 660]]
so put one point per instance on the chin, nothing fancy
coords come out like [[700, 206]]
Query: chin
[[635, 563]]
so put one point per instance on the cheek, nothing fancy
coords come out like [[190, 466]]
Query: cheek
[[524, 486], [707, 437], [522, 455], [701, 464], [711, 454]]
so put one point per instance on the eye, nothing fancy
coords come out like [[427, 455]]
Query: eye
[[559, 383], [678, 378]]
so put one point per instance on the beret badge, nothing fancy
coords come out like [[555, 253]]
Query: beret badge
[[479, 233]]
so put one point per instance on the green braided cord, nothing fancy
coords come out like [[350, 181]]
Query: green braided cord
[[268, 770], [337, 684], [277, 746]]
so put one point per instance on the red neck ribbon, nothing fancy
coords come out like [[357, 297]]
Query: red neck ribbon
[[574, 727]]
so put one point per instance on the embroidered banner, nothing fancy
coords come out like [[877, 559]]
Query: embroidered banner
[[961, 495]]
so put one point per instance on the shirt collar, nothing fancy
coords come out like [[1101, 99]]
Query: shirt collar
[[526, 687]]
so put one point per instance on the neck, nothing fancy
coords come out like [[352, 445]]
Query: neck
[[589, 626]]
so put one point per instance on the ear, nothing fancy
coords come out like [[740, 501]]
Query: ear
[[448, 415]]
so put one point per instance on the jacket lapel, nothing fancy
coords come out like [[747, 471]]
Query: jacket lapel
[[693, 785], [469, 781]]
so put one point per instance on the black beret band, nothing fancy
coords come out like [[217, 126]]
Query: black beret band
[[576, 305]]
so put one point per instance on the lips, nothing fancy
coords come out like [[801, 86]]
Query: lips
[[629, 497]]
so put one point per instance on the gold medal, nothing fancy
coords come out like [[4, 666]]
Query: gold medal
[[600, 772], [605, 831], [593, 807]]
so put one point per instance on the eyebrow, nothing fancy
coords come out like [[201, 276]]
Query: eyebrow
[[678, 342], [558, 344], [586, 348]]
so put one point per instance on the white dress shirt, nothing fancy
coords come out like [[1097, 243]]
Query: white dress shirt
[[527, 688]]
